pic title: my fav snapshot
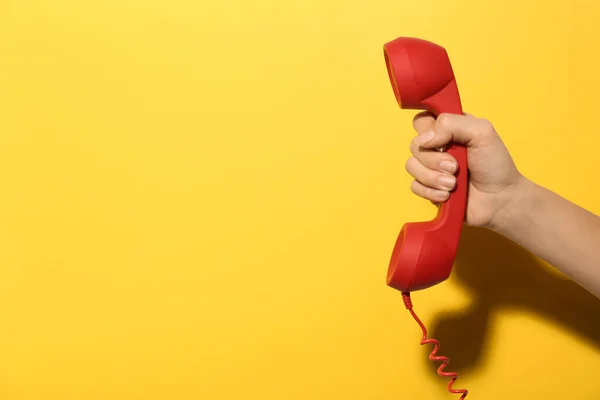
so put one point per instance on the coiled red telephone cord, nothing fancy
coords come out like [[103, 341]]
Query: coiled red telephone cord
[[432, 355]]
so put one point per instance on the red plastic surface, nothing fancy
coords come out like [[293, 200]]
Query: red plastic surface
[[422, 79]]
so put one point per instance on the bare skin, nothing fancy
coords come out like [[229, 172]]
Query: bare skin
[[502, 199]]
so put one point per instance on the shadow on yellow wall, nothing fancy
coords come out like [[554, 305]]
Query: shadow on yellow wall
[[501, 276]]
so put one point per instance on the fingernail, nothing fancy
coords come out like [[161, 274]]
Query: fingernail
[[448, 166], [442, 194], [425, 137], [448, 182]]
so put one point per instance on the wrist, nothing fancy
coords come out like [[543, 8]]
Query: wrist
[[520, 199]]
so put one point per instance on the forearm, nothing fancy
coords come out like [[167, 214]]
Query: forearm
[[554, 229]]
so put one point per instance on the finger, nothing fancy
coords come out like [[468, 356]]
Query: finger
[[429, 177], [423, 121], [434, 160], [457, 128], [435, 196]]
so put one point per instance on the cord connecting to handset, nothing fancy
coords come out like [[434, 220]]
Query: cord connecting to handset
[[432, 356]]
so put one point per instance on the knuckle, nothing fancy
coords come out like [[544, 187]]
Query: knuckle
[[417, 188], [443, 121], [408, 164], [412, 166], [414, 187], [414, 146], [486, 128]]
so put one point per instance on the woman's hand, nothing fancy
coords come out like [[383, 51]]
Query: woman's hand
[[501, 199], [493, 174]]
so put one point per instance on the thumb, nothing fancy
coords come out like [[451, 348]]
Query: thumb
[[462, 129]]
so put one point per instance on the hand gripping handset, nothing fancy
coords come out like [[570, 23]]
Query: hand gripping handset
[[422, 79]]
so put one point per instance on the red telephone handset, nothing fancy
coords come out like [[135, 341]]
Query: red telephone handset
[[422, 78]]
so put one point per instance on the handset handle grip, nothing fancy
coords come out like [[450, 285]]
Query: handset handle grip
[[451, 213]]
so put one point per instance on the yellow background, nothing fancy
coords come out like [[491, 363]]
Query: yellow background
[[198, 200]]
